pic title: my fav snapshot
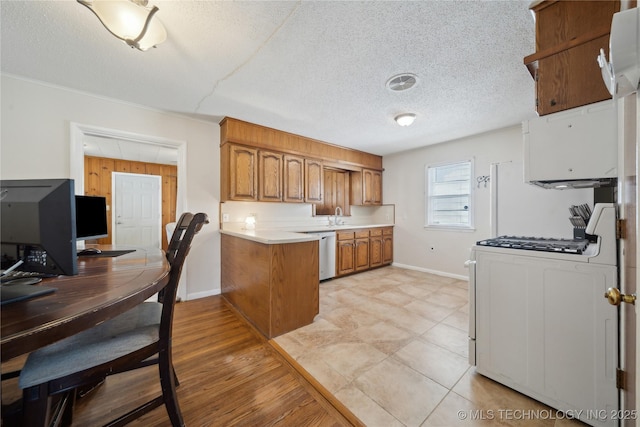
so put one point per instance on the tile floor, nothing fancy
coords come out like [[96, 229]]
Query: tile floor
[[391, 344]]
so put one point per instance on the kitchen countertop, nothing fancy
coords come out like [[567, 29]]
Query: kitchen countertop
[[293, 234]]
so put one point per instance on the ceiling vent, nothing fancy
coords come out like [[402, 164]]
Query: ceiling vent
[[402, 82]]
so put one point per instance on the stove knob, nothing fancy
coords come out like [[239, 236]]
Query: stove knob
[[615, 297]]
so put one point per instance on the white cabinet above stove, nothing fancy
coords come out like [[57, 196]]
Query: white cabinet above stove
[[576, 147]]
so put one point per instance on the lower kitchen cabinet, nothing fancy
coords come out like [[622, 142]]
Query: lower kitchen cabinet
[[269, 285], [345, 264], [361, 256], [375, 247], [363, 249], [387, 245]]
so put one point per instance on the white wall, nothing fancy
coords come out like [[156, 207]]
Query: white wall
[[35, 144], [445, 251]]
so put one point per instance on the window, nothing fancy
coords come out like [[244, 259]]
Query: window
[[449, 198]]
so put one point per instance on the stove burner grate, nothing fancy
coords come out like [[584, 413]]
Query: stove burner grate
[[537, 244]]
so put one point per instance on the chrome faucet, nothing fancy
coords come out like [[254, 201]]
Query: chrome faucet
[[338, 209]]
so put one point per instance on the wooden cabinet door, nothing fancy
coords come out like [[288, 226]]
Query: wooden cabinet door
[[335, 192], [375, 248], [361, 258], [243, 173], [387, 246], [571, 78], [345, 255], [371, 187], [269, 176], [313, 181], [293, 179]]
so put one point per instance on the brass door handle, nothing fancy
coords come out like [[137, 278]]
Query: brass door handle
[[615, 297]]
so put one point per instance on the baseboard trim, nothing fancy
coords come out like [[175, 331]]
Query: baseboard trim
[[428, 270]]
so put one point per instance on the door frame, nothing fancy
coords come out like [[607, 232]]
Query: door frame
[[114, 202], [77, 133]]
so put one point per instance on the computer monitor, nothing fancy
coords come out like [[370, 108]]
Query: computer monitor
[[38, 225], [91, 217]]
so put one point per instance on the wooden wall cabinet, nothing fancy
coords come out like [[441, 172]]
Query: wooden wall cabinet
[[241, 177], [313, 180], [366, 187], [249, 174], [293, 179], [335, 192], [269, 284], [270, 171], [569, 36], [372, 187], [304, 160], [363, 249]]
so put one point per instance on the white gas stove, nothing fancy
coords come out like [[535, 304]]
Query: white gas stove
[[538, 321]]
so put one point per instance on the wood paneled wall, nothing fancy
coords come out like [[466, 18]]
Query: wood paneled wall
[[97, 182]]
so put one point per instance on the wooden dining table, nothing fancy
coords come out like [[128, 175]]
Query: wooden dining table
[[104, 287]]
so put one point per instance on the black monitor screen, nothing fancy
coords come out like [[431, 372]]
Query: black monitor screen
[[91, 217], [37, 225]]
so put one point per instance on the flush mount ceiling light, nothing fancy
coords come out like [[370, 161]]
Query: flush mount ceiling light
[[402, 82], [129, 20], [405, 119]]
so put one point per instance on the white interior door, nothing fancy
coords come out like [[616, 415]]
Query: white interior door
[[137, 208], [628, 203]]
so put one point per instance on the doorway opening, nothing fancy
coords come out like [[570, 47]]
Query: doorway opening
[[80, 134]]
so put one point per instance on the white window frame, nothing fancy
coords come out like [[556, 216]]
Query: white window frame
[[428, 221]]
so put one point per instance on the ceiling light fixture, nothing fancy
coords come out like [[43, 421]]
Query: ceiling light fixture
[[405, 119], [129, 20]]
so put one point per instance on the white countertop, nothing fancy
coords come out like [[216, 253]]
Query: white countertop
[[293, 234]]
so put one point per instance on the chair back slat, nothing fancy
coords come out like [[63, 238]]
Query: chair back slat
[[186, 228]]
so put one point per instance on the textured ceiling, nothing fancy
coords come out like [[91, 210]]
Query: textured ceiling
[[315, 68]]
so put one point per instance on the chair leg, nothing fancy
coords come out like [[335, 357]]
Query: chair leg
[[36, 406], [67, 415], [168, 383]]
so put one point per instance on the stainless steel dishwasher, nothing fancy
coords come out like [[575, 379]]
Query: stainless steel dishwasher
[[327, 253]]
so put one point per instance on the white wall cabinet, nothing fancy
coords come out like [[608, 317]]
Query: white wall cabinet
[[575, 144]]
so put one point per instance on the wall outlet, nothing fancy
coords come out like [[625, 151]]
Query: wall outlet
[[225, 217]]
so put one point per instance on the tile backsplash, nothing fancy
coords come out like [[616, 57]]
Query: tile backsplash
[[286, 215]]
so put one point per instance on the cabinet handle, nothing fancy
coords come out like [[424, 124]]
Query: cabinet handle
[[552, 102]]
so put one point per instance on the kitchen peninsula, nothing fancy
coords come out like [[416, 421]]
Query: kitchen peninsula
[[272, 275], [277, 190]]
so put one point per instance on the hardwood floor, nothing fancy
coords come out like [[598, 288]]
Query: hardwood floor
[[229, 376]]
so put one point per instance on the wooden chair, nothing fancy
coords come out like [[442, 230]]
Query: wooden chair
[[126, 342]]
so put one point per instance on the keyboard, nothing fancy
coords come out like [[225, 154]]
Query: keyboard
[[16, 274]]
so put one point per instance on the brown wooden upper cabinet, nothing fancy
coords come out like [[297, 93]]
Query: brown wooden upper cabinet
[[293, 178], [366, 187], [263, 164], [270, 176], [569, 36], [313, 181], [243, 177]]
